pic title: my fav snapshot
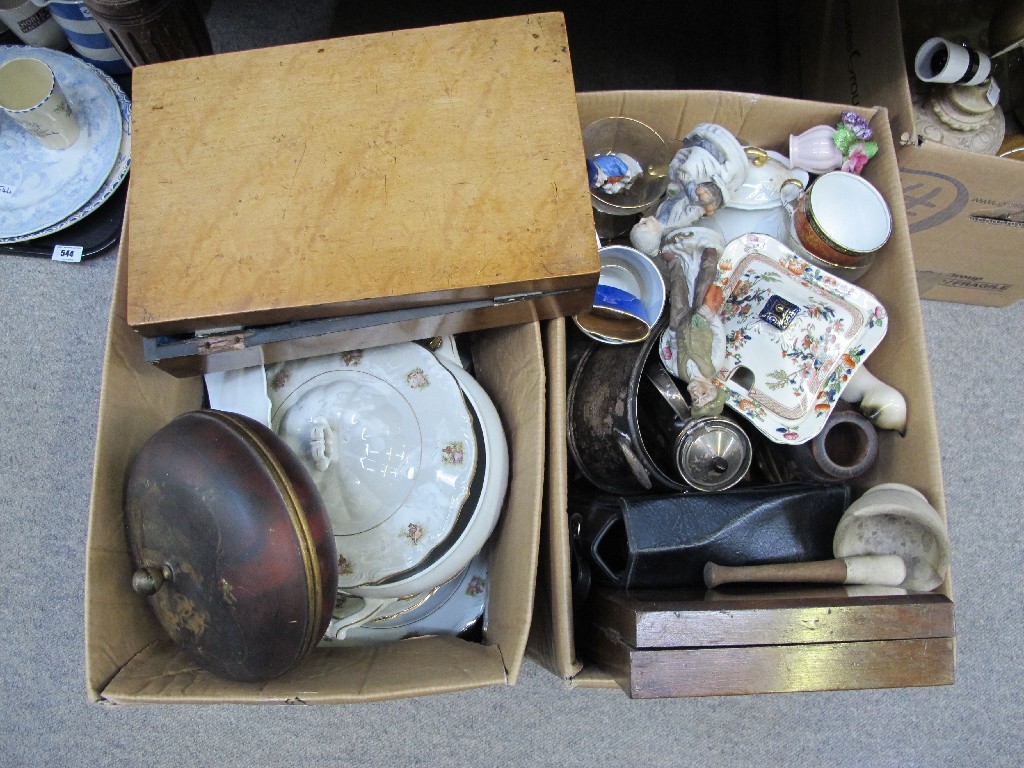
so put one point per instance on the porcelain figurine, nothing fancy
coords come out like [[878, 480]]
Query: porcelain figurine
[[853, 138], [882, 404], [703, 174], [691, 257], [613, 173]]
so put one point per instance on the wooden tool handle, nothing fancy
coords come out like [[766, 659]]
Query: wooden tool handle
[[886, 570]]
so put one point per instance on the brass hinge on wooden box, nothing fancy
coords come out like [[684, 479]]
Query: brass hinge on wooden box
[[226, 348]]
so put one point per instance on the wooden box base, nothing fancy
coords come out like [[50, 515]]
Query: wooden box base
[[658, 645]]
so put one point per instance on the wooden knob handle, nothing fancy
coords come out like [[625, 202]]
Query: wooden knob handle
[[884, 570]]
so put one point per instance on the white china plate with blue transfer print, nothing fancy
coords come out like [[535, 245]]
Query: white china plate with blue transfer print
[[41, 187], [114, 179]]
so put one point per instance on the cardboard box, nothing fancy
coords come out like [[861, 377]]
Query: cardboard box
[[322, 196], [965, 211], [757, 644], [130, 659]]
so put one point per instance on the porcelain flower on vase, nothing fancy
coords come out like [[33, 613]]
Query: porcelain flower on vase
[[853, 138], [857, 158]]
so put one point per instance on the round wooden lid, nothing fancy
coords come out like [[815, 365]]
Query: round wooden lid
[[232, 544]]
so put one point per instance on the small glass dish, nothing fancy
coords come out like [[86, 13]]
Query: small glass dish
[[626, 136]]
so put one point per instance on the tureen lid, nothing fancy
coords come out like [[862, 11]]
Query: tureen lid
[[388, 439], [231, 543]]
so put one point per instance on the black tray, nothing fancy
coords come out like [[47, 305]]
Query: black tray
[[96, 233]]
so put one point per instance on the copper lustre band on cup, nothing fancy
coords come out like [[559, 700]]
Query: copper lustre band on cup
[[818, 243], [842, 219]]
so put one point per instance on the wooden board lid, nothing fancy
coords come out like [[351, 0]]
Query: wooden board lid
[[359, 174]]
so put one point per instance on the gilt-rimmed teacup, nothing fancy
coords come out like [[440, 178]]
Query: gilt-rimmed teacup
[[841, 219]]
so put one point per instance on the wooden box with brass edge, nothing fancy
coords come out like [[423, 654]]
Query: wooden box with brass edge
[[354, 192]]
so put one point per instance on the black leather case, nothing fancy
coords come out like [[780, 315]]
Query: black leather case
[[664, 541]]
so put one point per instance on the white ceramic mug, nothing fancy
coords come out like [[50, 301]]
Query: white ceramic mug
[[32, 25], [31, 95]]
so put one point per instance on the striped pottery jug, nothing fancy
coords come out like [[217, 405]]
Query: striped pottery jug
[[85, 35]]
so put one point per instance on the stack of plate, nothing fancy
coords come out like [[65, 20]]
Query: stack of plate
[[410, 457], [448, 609], [43, 191]]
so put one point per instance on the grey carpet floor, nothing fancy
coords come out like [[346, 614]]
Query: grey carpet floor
[[50, 366]]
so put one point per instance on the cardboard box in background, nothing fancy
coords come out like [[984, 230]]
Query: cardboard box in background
[[965, 211], [131, 660], [876, 648]]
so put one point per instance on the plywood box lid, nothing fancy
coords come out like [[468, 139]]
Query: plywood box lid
[[360, 174]]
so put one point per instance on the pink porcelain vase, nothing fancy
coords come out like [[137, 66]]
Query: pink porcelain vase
[[814, 150]]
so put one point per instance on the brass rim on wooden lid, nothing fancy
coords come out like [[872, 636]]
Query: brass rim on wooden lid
[[232, 544]]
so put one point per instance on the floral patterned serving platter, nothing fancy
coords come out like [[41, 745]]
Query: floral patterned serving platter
[[389, 441], [794, 335], [449, 609]]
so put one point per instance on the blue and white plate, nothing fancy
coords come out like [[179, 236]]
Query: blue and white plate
[[41, 187], [114, 179]]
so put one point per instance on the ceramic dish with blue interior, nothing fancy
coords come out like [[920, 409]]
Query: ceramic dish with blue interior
[[794, 337], [448, 609], [390, 443], [626, 272], [42, 187]]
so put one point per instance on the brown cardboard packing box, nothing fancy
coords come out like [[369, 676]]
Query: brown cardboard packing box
[[131, 660], [965, 211], [704, 644], [357, 191], [286, 185]]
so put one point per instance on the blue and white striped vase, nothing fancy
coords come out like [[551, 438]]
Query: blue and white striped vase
[[85, 35]]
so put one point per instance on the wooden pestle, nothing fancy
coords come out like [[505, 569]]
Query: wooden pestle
[[881, 570]]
